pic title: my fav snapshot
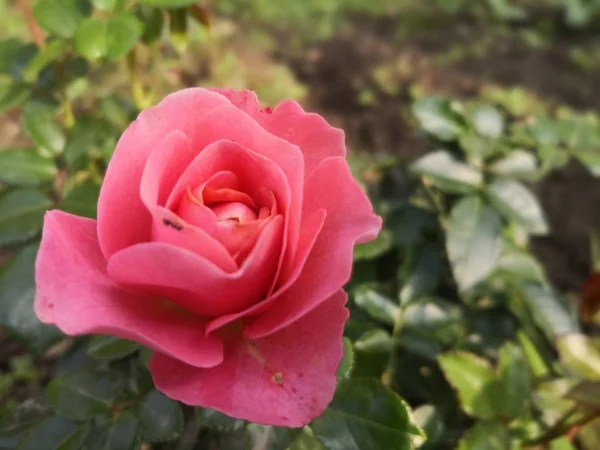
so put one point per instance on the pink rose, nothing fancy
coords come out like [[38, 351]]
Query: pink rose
[[224, 236]]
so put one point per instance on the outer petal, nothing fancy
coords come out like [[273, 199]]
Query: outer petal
[[125, 222], [309, 131], [75, 294], [285, 379], [350, 218], [196, 283]]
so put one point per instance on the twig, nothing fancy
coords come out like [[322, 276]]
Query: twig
[[562, 426], [34, 29]]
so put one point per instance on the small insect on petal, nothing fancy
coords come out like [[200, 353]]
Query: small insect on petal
[[171, 224]]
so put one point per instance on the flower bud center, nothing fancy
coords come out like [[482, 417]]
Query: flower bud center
[[234, 211]]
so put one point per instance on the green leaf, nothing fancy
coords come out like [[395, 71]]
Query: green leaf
[[486, 435], [506, 10], [107, 5], [25, 167], [589, 436], [153, 21], [178, 28], [437, 118], [544, 130], [515, 381], [431, 319], [590, 159], [43, 58], [49, 434], [39, 123], [110, 347], [552, 157], [535, 361], [82, 200], [424, 277], [14, 56], [517, 203], [430, 420], [108, 37], [376, 304], [473, 241], [375, 248], [586, 393], [218, 420], [84, 139], [520, 265], [447, 172], [306, 441], [160, 418], [122, 434], [264, 437], [411, 225], [91, 38], [168, 3], [519, 164], [365, 414], [374, 341], [84, 394], [548, 310], [123, 30], [488, 122], [17, 291], [76, 440], [473, 379], [13, 95], [344, 370], [60, 17], [21, 215], [579, 354], [22, 418]]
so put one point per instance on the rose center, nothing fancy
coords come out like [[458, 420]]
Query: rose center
[[234, 211]]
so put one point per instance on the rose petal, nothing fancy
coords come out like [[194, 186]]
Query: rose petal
[[126, 221], [249, 134], [169, 228], [242, 98], [285, 379], [191, 207], [75, 294], [309, 131], [309, 232], [254, 173], [196, 283], [165, 165], [252, 170], [350, 218]]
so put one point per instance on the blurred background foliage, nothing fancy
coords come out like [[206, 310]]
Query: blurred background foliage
[[473, 125]]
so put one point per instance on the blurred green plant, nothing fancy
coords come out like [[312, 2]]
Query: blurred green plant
[[468, 328]]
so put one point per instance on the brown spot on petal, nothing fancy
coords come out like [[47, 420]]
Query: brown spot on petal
[[277, 378]]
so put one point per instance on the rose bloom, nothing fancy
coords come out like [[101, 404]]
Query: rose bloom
[[225, 233]]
